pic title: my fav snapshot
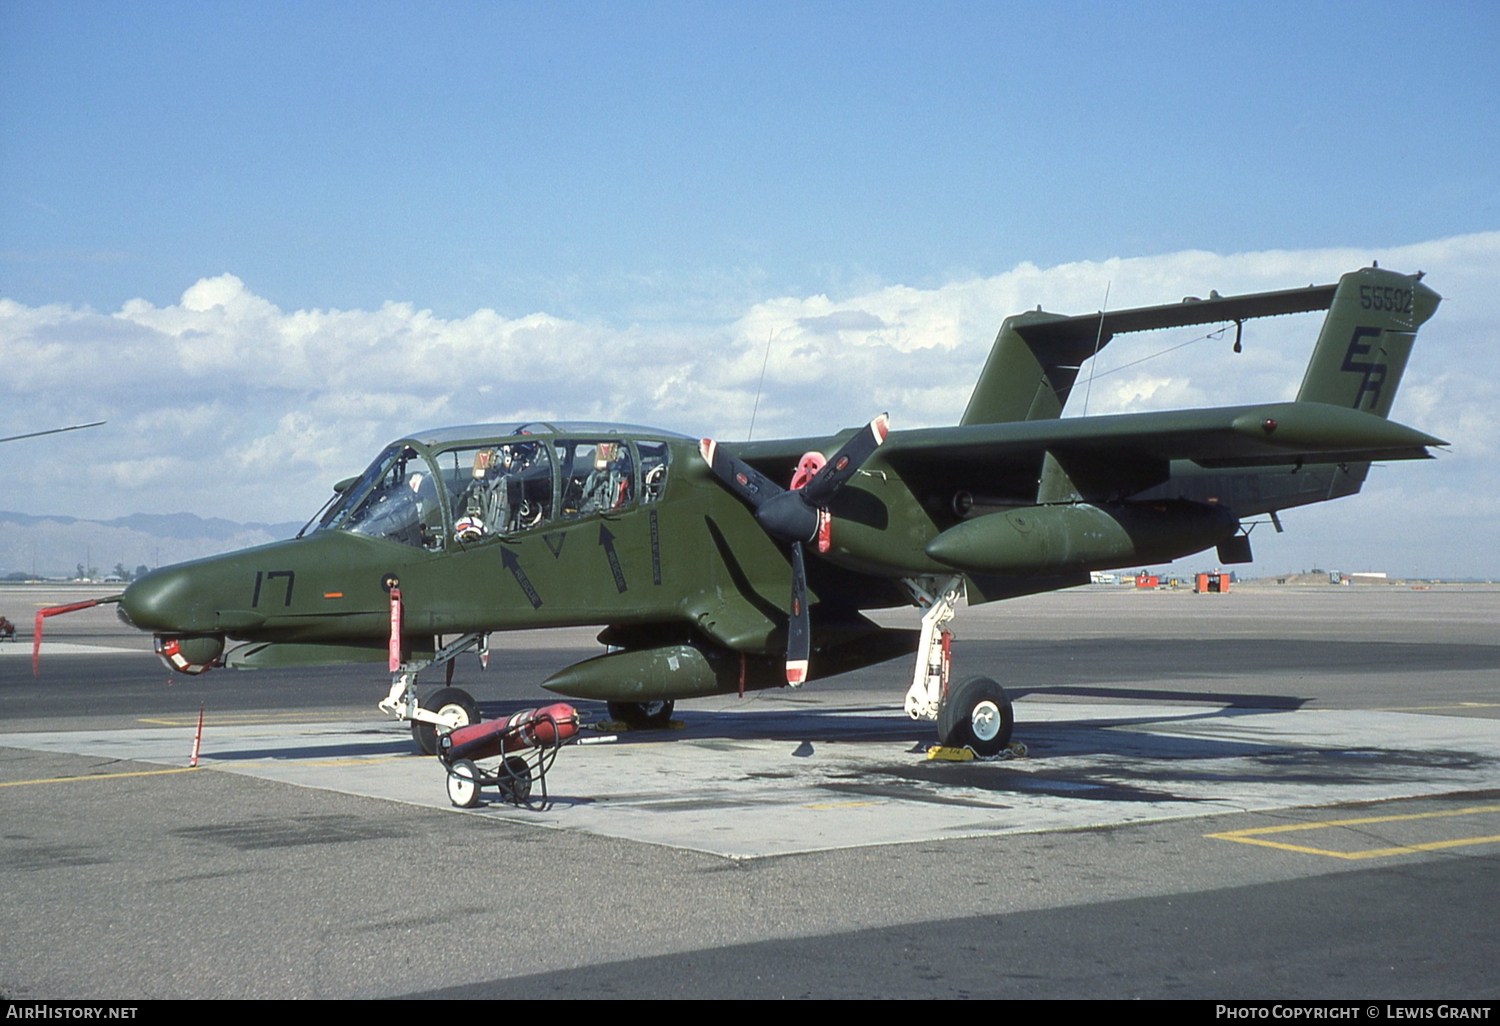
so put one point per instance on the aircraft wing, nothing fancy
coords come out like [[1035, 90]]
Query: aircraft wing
[[1127, 452], [1261, 435]]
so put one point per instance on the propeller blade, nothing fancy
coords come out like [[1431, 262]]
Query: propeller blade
[[819, 491], [794, 515], [748, 484], [798, 629]]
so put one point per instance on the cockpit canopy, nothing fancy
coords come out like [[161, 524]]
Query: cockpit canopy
[[455, 487]]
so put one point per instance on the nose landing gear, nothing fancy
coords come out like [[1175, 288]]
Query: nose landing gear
[[453, 707], [446, 708]]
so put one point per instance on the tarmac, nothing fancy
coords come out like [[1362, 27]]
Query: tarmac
[[1275, 792]]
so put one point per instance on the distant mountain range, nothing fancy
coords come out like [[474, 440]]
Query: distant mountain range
[[57, 546]]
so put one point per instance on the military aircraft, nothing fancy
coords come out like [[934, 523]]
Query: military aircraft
[[717, 568]]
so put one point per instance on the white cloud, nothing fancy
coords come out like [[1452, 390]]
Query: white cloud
[[225, 405]]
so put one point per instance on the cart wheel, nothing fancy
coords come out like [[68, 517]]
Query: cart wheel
[[463, 784], [515, 780]]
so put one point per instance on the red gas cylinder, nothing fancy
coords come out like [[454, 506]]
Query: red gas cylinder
[[531, 728]]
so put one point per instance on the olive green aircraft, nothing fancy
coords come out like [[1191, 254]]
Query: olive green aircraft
[[715, 568]]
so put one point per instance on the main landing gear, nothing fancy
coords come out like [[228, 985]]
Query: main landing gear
[[447, 708], [975, 714], [642, 715]]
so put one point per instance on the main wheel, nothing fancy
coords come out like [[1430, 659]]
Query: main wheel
[[455, 705], [463, 784], [977, 714], [642, 715], [515, 780]]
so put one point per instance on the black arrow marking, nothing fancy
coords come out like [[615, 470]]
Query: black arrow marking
[[555, 542], [513, 564], [655, 550], [607, 540]]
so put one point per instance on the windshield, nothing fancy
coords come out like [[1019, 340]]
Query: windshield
[[396, 499], [483, 491]]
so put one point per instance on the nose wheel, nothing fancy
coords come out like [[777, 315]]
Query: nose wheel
[[453, 706], [976, 714]]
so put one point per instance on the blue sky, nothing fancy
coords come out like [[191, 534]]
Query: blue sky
[[635, 160], [265, 238]]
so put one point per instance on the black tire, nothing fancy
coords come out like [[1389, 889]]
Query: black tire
[[977, 714], [642, 715], [515, 780], [463, 784], [443, 701]]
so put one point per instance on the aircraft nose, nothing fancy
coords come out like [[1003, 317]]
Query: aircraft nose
[[163, 601]]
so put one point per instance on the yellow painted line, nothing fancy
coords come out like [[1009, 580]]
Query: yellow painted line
[[364, 760], [97, 776], [1369, 853], [840, 805], [1254, 834]]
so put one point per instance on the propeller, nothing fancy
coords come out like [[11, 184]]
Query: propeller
[[798, 516]]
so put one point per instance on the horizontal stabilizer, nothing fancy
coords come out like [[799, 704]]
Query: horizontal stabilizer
[[1090, 328], [1036, 356]]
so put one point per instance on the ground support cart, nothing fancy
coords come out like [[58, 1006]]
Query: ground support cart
[[511, 755]]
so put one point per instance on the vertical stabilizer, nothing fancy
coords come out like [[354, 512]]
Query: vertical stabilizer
[[1372, 321], [1366, 339], [1025, 378]]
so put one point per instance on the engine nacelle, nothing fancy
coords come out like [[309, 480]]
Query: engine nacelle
[[668, 671], [189, 653], [1080, 536]]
